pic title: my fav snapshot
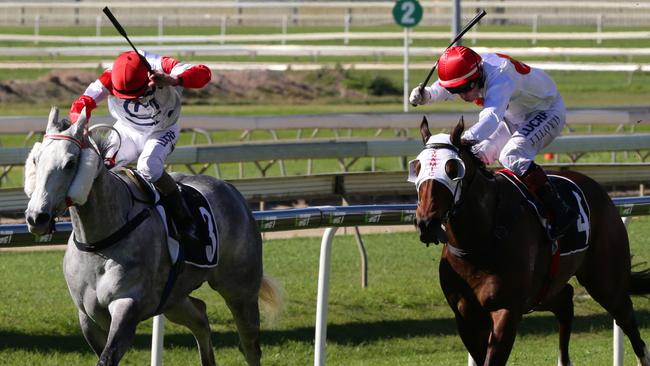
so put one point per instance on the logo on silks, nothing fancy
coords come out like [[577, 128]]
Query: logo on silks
[[142, 113], [373, 217], [5, 236]]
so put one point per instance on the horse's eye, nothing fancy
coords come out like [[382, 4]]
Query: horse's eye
[[70, 165]]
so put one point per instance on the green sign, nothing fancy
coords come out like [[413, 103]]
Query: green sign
[[407, 13]]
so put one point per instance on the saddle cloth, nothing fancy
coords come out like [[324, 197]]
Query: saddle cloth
[[576, 239], [205, 256]]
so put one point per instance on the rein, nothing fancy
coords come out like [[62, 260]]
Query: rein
[[116, 236]]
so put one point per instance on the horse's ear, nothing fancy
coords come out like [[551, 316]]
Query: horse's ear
[[79, 128], [424, 130], [53, 121], [458, 132]]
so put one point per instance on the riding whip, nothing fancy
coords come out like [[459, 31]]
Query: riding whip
[[467, 27], [121, 30]]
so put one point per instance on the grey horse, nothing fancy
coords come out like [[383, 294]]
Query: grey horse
[[122, 284]]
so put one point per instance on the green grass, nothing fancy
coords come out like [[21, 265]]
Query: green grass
[[400, 319]]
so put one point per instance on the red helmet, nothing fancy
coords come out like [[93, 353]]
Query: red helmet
[[129, 76], [458, 66]]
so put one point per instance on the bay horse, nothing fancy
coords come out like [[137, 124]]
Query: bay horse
[[496, 260], [126, 279]]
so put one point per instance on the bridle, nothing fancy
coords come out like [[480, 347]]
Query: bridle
[[460, 187], [80, 143], [84, 143]]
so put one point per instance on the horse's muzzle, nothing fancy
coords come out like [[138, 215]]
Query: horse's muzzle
[[39, 223], [430, 231]]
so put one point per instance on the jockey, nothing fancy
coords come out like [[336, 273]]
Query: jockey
[[522, 113], [146, 106]]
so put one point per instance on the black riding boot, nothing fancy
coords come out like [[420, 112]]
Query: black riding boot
[[561, 216], [171, 195]]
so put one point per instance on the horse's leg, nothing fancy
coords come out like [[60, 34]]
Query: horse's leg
[[247, 317], [94, 334], [474, 336], [606, 274], [191, 313], [562, 306], [614, 298], [502, 338], [124, 319]]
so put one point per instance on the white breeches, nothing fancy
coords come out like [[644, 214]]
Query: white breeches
[[150, 150], [538, 129]]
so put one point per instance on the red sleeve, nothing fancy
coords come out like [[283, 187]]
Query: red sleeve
[[87, 100], [168, 64], [78, 105], [105, 79], [195, 77]]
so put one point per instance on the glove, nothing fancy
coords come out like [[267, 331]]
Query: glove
[[420, 95], [160, 79], [486, 151]]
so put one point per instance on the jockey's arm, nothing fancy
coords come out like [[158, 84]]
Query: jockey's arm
[[94, 93], [437, 93], [497, 96], [186, 75]]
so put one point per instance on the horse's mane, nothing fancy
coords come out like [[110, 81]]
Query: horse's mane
[[466, 145]]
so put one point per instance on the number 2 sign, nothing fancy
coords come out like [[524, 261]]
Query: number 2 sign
[[407, 13]]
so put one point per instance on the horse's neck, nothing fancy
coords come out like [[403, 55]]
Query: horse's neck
[[105, 209], [476, 211]]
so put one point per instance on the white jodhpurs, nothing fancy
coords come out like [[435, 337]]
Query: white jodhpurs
[[538, 129], [150, 150]]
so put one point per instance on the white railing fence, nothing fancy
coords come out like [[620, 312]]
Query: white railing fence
[[329, 217], [319, 13]]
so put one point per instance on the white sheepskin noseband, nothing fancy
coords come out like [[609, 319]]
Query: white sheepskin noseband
[[89, 163]]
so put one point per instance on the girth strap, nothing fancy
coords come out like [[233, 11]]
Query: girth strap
[[118, 235]]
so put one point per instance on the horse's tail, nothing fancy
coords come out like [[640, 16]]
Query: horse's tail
[[271, 298], [640, 282]]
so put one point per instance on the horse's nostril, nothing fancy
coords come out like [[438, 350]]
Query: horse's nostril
[[41, 219], [422, 224]]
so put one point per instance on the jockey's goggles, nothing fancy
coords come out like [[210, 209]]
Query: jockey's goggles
[[463, 88]]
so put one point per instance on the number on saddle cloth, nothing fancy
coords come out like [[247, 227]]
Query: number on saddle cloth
[[207, 255], [576, 239]]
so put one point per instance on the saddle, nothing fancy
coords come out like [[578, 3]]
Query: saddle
[[576, 239], [206, 256]]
